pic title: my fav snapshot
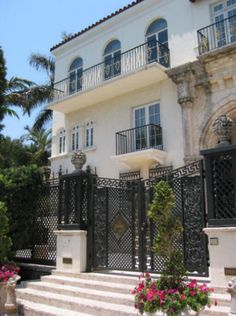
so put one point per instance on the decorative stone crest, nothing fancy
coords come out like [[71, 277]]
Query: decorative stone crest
[[78, 160], [223, 128], [232, 291]]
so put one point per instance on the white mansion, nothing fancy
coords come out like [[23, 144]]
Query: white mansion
[[141, 87]]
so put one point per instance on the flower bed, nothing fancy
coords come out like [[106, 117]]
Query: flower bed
[[151, 296]]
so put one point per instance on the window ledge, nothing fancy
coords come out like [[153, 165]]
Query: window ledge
[[58, 156], [87, 149]]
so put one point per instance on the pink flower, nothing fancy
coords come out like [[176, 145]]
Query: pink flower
[[183, 297], [192, 284], [192, 293], [150, 296]]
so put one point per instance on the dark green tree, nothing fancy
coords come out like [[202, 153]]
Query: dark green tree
[[169, 232], [13, 92], [5, 240], [41, 94]]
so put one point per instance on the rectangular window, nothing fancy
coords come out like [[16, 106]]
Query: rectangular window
[[147, 127]]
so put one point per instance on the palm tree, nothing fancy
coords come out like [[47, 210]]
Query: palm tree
[[41, 94], [40, 144], [12, 92]]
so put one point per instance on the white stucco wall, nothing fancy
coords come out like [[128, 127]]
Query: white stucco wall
[[184, 19], [117, 115]]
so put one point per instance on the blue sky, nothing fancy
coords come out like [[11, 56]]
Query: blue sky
[[34, 26]]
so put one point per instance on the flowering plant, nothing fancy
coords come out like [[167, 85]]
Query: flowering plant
[[151, 296], [8, 272]]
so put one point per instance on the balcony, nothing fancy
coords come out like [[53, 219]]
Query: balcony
[[140, 145], [131, 70], [217, 35]]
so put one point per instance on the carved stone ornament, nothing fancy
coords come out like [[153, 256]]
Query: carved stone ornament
[[232, 291], [78, 160], [223, 128]]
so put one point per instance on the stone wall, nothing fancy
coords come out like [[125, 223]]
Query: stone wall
[[206, 90]]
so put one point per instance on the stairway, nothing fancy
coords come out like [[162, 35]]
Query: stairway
[[90, 294]]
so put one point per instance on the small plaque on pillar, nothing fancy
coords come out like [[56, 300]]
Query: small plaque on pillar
[[67, 260], [230, 271], [214, 241]]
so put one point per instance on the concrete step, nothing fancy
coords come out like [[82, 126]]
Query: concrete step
[[89, 284], [27, 308], [88, 306], [215, 311], [104, 277], [76, 291], [222, 299]]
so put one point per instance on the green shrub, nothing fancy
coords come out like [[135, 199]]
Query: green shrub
[[169, 231], [20, 189], [5, 241]]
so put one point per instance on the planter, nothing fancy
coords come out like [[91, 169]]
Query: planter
[[3, 297], [185, 312]]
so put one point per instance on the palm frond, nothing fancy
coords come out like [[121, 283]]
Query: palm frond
[[19, 84], [36, 96], [44, 117], [43, 62]]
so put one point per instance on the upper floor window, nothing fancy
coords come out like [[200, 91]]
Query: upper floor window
[[89, 133], [147, 126], [75, 138], [62, 141], [112, 59], [225, 30], [76, 75], [157, 42]]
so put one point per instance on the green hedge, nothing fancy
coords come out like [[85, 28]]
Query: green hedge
[[20, 190]]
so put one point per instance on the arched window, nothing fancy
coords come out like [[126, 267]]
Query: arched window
[[89, 133], [62, 141], [157, 42], [76, 75], [75, 138], [112, 59]]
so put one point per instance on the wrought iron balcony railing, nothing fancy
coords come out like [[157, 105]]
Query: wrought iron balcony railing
[[122, 64], [217, 35], [139, 138]]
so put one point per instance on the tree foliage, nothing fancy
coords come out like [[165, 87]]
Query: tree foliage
[[13, 92], [20, 190], [169, 232], [5, 240]]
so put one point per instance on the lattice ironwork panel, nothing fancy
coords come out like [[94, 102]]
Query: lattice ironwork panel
[[43, 248], [74, 199], [130, 176], [114, 234], [223, 187], [100, 227], [159, 172]]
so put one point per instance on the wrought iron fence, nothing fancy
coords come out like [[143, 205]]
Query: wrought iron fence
[[125, 63], [139, 138], [217, 35], [43, 245], [220, 166]]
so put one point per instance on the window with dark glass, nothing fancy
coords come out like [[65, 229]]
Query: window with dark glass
[[112, 59], [157, 42], [89, 133], [62, 141], [75, 138], [76, 75]]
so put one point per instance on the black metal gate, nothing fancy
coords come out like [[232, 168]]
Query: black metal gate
[[122, 235]]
